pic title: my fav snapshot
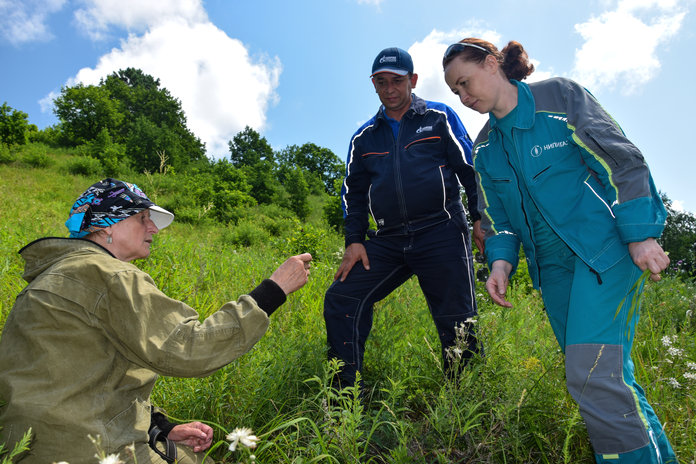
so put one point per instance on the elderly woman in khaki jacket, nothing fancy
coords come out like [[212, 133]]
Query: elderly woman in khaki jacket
[[87, 337]]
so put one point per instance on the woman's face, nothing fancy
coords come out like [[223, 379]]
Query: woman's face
[[474, 83], [132, 237]]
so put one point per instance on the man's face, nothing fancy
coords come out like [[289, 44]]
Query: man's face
[[394, 92]]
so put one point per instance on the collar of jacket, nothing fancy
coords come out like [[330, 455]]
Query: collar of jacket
[[418, 106], [526, 109]]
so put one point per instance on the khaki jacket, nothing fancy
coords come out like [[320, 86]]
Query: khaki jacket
[[85, 341]]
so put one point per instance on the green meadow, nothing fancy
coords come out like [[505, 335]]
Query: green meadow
[[509, 407]]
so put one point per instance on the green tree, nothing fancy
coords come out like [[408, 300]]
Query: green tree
[[252, 153], [154, 121], [332, 211], [312, 158], [14, 126], [137, 113], [84, 110], [111, 155], [679, 238], [248, 148], [231, 191], [298, 191]]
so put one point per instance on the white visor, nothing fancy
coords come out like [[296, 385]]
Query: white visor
[[160, 216]]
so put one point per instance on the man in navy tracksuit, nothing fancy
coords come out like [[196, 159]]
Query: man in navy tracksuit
[[405, 168]]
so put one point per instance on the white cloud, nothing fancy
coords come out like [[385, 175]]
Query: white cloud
[[427, 63], [621, 46], [25, 20], [46, 103], [97, 16], [221, 88]]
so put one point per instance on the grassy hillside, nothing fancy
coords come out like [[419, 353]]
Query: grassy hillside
[[511, 407]]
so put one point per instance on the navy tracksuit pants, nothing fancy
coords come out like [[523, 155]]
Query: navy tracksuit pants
[[439, 256]]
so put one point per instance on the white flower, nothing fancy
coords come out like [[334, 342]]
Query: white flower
[[454, 353], [470, 320], [244, 436], [690, 375], [672, 351], [110, 459], [691, 365], [667, 340], [674, 382]]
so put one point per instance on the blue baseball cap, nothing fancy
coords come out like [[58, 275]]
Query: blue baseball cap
[[393, 60]]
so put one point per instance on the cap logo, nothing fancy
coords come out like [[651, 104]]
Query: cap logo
[[388, 59]]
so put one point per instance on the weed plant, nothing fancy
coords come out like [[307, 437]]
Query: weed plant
[[510, 406]]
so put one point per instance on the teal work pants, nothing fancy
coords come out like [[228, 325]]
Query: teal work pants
[[582, 308]]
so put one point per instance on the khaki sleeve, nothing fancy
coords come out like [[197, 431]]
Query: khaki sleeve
[[166, 336]]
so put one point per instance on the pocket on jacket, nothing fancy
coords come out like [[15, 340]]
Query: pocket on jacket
[[129, 425], [424, 141]]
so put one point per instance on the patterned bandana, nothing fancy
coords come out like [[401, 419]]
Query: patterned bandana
[[108, 202]]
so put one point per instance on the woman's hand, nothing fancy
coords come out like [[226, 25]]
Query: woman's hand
[[648, 254], [293, 273], [497, 282], [194, 434]]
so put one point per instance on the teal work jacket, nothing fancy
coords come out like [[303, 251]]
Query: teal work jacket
[[589, 182]]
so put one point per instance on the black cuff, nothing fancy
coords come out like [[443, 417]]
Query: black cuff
[[268, 295], [160, 420]]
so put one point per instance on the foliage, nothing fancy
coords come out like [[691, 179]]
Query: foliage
[[112, 156], [85, 166], [20, 447], [14, 126], [136, 113], [332, 211], [679, 239], [51, 136], [298, 191], [36, 156], [249, 148], [314, 159], [7, 155]]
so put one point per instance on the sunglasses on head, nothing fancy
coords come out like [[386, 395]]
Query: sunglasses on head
[[457, 48]]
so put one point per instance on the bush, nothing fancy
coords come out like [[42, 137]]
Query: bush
[[51, 136], [85, 166], [6, 155], [246, 234], [307, 238], [35, 156]]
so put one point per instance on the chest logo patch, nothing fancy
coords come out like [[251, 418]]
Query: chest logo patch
[[537, 150]]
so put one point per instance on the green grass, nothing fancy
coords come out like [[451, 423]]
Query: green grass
[[511, 407]]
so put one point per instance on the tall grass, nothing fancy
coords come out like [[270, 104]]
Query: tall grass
[[509, 407]]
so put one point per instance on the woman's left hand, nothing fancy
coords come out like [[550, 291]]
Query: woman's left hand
[[648, 254], [194, 434]]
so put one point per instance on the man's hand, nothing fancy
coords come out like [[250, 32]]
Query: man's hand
[[479, 237], [293, 273], [194, 434], [648, 254], [354, 253], [497, 282]]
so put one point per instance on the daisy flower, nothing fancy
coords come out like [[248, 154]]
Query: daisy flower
[[244, 436]]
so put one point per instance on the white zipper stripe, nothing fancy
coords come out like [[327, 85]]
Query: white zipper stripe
[[600, 199]]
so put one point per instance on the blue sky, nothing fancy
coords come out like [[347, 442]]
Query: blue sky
[[298, 71]]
